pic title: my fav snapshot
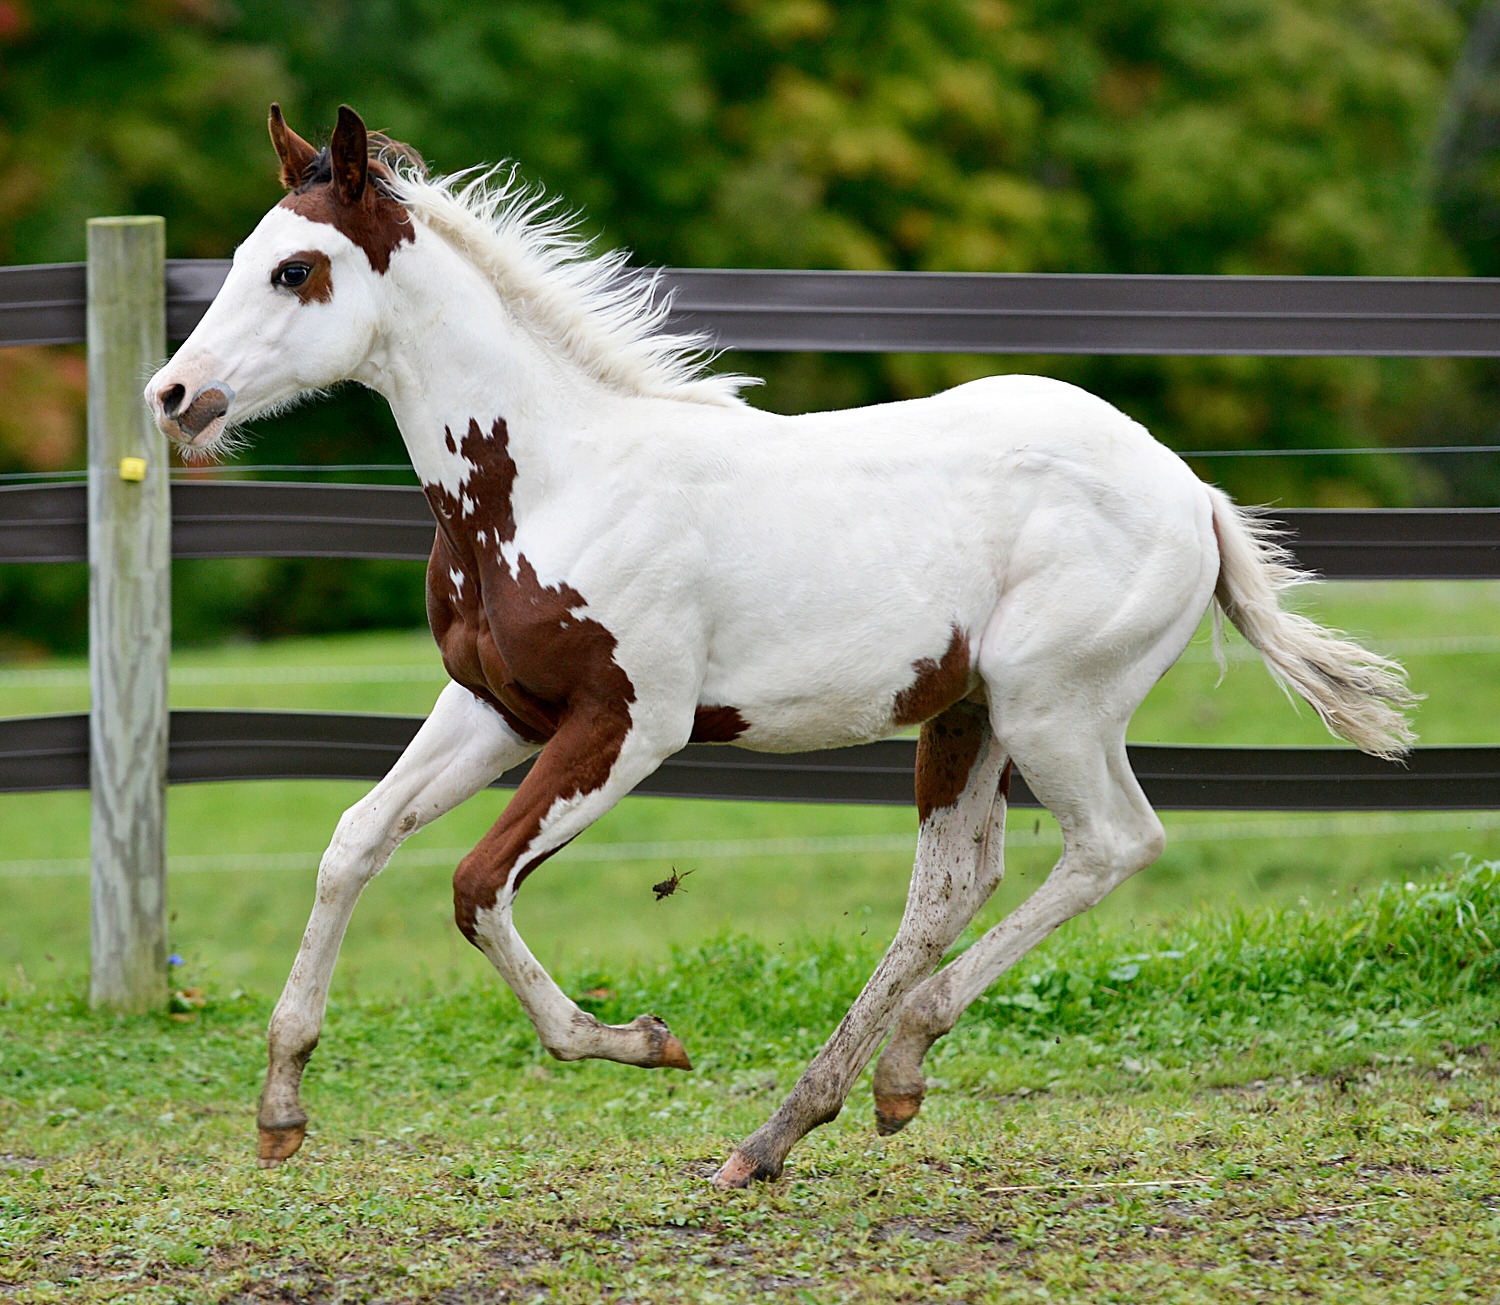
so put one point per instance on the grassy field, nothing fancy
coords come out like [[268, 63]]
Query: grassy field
[[1253, 1106], [243, 855]]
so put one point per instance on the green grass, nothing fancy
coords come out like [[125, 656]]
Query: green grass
[[1249, 1105], [244, 854]]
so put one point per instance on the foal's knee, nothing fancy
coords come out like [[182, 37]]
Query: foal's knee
[[361, 845], [474, 890]]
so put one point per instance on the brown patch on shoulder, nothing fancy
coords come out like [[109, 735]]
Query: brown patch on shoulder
[[318, 288], [523, 647], [514, 641], [939, 683], [717, 725], [946, 752], [375, 222]]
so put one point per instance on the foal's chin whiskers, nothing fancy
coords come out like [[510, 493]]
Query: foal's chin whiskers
[[232, 440]]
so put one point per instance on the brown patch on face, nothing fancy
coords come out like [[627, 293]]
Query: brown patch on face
[[522, 647], [318, 287], [717, 725], [347, 185], [946, 752], [375, 222], [939, 683]]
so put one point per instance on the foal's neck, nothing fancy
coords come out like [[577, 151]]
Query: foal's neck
[[453, 354]]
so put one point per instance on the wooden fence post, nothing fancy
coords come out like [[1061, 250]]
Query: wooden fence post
[[129, 614]]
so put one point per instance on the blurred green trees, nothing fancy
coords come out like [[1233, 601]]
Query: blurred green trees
[[1345, 137]]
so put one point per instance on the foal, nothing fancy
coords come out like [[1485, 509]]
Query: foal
[[629, 558]]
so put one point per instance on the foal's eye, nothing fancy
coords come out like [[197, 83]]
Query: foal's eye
[[291, 275]]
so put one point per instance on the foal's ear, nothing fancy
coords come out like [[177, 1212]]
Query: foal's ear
[[295, 153], [349, 153]]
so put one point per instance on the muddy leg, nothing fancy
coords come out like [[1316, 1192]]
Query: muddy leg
[[461, 747], [1109, 833], [960, 775]]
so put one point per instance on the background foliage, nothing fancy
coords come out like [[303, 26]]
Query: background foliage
[[1340, 137]]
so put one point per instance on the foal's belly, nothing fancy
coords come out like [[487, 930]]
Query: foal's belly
[[833, 702]]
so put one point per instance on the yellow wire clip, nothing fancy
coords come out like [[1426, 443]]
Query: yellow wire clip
[[132, 468]]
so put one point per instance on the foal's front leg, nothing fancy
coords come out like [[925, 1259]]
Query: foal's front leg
[[561, 797], [461, 747]]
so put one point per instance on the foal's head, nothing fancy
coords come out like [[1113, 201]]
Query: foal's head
[[303, 302]]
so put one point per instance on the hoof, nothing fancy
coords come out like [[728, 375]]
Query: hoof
[[892, 1114], [674, 1054], [666, 1048], [738, 1171], [278, 1144]]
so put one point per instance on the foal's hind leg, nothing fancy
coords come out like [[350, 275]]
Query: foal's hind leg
[[460, 748], [1109, 833], [961, 782], [1070, 746]]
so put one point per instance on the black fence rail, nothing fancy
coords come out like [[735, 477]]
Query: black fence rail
[[49, 523], [42, 753], [947, 312]]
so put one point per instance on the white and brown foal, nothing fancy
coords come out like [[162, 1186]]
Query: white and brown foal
[[629, 558]]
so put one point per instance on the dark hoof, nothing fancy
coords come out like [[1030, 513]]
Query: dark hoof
[[740, 1171], [278, 1144], [892, 1114], [674, 1054]]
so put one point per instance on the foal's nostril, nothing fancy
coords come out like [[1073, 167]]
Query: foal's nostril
[[170, 397], [208, 405]]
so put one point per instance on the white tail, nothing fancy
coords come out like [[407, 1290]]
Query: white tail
[[1359, 695]]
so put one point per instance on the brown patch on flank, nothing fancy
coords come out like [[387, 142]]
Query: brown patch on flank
[[318, 288], [717, 725], [522, 647], [939, 683], [946, 753]]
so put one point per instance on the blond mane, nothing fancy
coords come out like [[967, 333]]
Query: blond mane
[[605, 317]]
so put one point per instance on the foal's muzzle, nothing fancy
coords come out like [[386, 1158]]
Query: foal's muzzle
[[189, 421]]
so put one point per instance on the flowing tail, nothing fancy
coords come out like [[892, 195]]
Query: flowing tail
[[1359, 695]]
